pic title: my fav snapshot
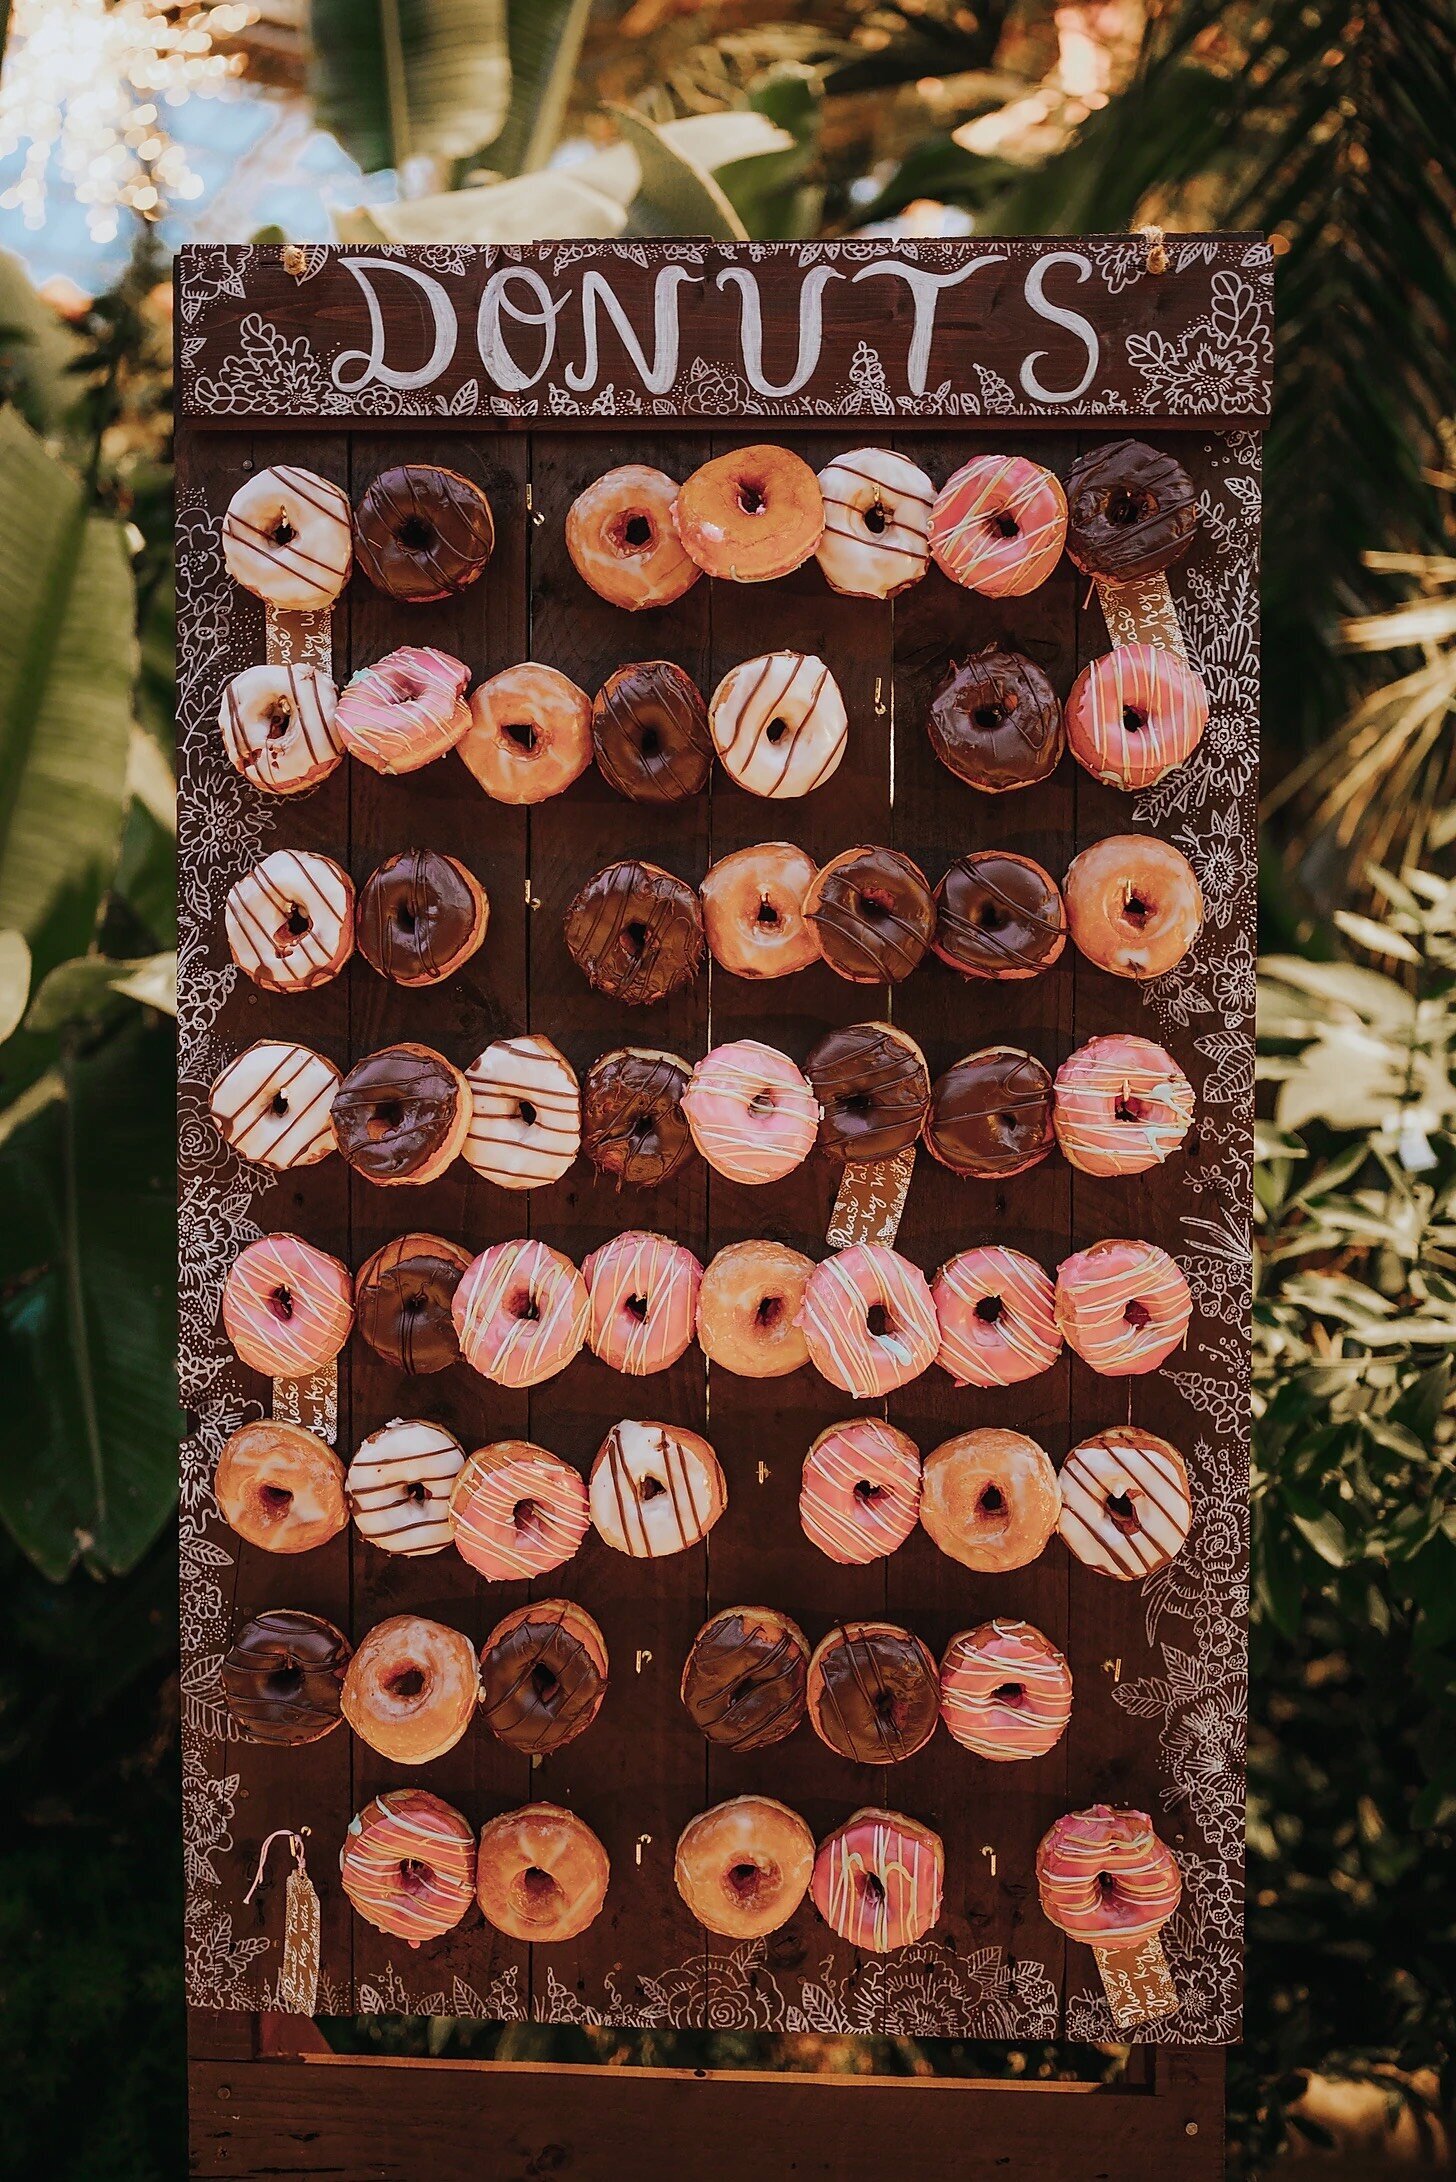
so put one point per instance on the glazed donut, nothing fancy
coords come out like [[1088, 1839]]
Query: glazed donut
[[529, 734], [541, 1874], [998, 915], [543, 1675], [877, 1880], [753, 910], [279, 728], [402, 1115], [779, 724], [282, 1677], [744, 1678], [873, 1089], [876, 523], [743, 1867], [1106, 1878], [860, 1495], [643, 1297], [1134, 715], [990, 1114], [748, 1307], [872, 1693], [1123, 1306], [272, 1104], [998, 526], [649, 727], [520, 1313], [525, 1113], [516, 1510], [423, 533], [635, 932], [622, 541], [997, 1315], [873, 914], [655, 1489], [1126, 1508], [405, 710], [411, 1689], [287, 1307], [421, 917], [751, 1112], [1131, 511], [869, 1321], [1122, 1105], [290, 921], [408, 1864], [280, 1487], [751, 515], [633, 1125], [1134, 906], [286, 538], [402, 1298], [996, 722], [989, 1499], [1005, 1691], [399, 1486]]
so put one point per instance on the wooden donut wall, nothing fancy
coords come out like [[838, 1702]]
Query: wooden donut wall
[[993, 1966]]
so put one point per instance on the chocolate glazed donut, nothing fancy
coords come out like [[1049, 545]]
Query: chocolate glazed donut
[[1131, 510], [874, 1692], [632, 1122], [873, 912], [402, 1298], [996, 722], [999, 916], [650, 733], [541, 1685], [991, 1113], [418, 917], [873, 1090], [422, 533], [283, 1676], [395, 1111], [743, 1681], [636, 932]]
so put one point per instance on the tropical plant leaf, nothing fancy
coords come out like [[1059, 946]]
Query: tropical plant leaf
[[533, 208], [678, 195], [84, 991], [766, 187], [14, 980], [38, 351], [404, 79], [545, 39]]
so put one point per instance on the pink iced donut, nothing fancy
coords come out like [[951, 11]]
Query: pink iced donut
[[286, 1307], [1005, 1691], [860, 1495], [408, 1864], [1123, 1306], [520, 1313], [1122, 1105], [643, 1292], [1106, 1878], [842, 1298], [1134, 714], [516, 1510], [998, 526], [877, 1880], [404, 710], [752, 1113], [997, 1316]]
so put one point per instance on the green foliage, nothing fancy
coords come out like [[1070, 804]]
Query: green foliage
[[406, 79]]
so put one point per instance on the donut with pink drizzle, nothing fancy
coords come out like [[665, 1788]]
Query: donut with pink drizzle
[[517, 1510], [408, 1864], [869, 1320], [287, 1307], [996, 1312], [877, 1880], [1106, 1878], [860, 1494], [405, 710], [520, 1313], [643, 1293], [1123, 1306], [998, 526], [1005, 1691], [1135, 714], [752, 1113], [1122, 1105]]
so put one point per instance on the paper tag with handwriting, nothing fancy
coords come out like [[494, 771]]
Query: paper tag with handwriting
[[1138, 1983], [299, 1976], [871, 1200], [300, 640], [311, 1402], [1142, 612]]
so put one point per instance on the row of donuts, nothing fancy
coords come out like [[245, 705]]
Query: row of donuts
[[867, 1319], [777, 723]]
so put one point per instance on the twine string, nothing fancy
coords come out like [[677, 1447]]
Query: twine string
[[295, 1842]]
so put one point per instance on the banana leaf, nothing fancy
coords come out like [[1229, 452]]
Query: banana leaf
[[403, 79]]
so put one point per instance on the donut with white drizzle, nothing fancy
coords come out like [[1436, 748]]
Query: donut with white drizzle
[[287, 1306], [1122, 1105], [517, 1510], [408, 1864], [655, 1489], [1005, 1691], [404, 710], [279, 727], [778, 724], [525, 1113], [1106, 1878], [1126, 1507], [521, 1313], [868, 1318], [876, 523], [1123, 1306], [643, 1292], [998, 525], [877, 1880], [290, 921], [399, 1485], [273, 1104], [287, 537]]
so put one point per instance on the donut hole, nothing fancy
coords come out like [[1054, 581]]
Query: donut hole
[[278, 1104], [1130, 1108], [769, 1310], [415, 1877], [280, 1304], [279, 717], [527, 1112], [1003, 525], [872, 1887], [522, 734], [877, 1321], [384, 1117], [873, 908], [1134, 720], [537, 1885], [525, 1516], [651, 1488], [649, 743], [876, 518], [990, 716], [405, 1682], [275, 1500], [1136, 1314], [1136, 911], [417, 1492], [991, 1506], [989, 917], [776, 730], [635, 935], [744, 1881], [751, 497], [285, 1682], [760, 1104], [637, 532], [405, 919], [1125, 507], [767, 915], [281, 532], [1122, 1513], [297, 922], [415, 534], [636, 1307], [1009, 1693], [523, 1305], [1009, 1127], [867, 1492], [990, 1310], [545, 1685]]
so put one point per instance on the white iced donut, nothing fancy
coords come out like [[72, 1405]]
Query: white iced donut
[[272, 1104], [278, 728], [290, 921], [525, 1113], [876, 523], [287, 538], [399, 1486], [778, 723], [655, 1489]]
